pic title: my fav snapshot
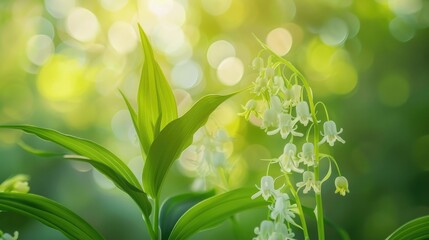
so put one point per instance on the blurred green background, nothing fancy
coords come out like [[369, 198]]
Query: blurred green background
[[62, 62]]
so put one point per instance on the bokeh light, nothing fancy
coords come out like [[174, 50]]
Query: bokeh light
[[280, 41], [218, 51], [63, 79], [82, 24], [216, 7], [334, 32], [64, 61], [59, 8], [122, 37], [230, 71], [39, 49], [186, 74], [393, 90]]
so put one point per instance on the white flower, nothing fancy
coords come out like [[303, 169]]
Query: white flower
[[269, 119], [330, 134], [286, 126], [266, 189], [307, 155], [18, 184], [276, 104], [260, 85], [281, 232], [288, 161], [303, 113], [257, 63], [249, 108], [264, 231], [282, 209], [341, 185], [309, 182], [278, 85], [269, 72], [293, 95]]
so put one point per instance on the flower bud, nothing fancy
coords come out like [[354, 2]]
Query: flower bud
[[341, 185], [18, 183]]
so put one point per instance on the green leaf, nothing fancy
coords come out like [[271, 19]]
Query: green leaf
[[135, 193], [156, 103], [98, 156], [134, 118], [173, 139], [214, 210], [49, 213], [173, 208], [417, 229]]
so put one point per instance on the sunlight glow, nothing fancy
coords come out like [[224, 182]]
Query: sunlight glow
[[218, 51], [39, 49], [122, 37], [82, 24], [230, 71], [186, 74], [279, 41]]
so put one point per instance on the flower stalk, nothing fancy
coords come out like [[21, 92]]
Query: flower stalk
[[287, 106]]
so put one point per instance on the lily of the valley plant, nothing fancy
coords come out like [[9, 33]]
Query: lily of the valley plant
[[283, 104]]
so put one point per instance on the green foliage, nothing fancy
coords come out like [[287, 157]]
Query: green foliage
[[417, 229], [173, 139], [214, 210], [50, 213], [101, 158], [156, 103], [173, 208]]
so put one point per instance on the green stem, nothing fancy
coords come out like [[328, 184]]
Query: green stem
[[156, 219], [319, 205], [149, 226], [301, 212]]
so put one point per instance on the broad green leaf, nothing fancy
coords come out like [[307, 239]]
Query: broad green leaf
[[135, 193], [156, 103], [173, 139], [416, 229], [173, 208], [214, 210], [98, 156], [49, 213]]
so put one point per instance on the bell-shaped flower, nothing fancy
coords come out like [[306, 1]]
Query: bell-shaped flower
[[341, 185], [288, 161], [286, 126], [278, 85], [267, 188], [269, 119], [307, 155], [269, 72], [330, 134], [282, 209], [292, 96], [308, 182], [281, 232], [276, 104], [257, 63], [18, 184], [264, 231], [249, 108], [303, 113], [260, 85]]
